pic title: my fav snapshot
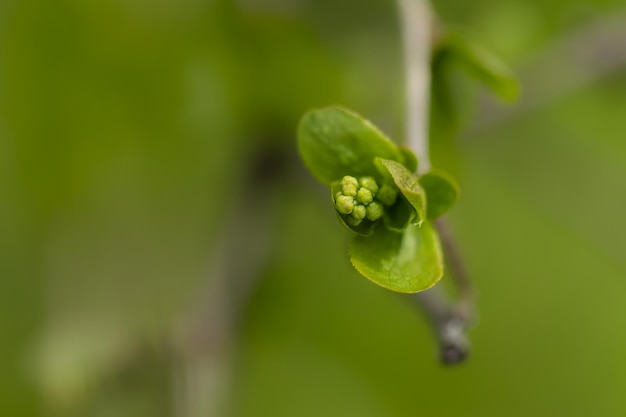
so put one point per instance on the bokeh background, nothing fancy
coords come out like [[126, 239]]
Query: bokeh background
[[148, 165]]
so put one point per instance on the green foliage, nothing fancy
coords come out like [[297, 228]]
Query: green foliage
[[442, 191], [335, 142], [406, 262], [409, 186], [480, 63], [458, 66], [387, 206], [410, 160]]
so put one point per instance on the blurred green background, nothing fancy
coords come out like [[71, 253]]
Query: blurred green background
[[129, 134]]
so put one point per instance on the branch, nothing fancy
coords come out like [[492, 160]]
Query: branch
[[416, 18], [466, 296], [204, 340], [450, 322]]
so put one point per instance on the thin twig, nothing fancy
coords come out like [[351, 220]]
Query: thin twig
[[416, 17], [466, 295], [449, 321], [205, 338], [449, 326]]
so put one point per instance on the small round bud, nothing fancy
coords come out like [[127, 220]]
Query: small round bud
[[369, 183], [374, 211], [349, 186], [364, 196], [344, 204], [353, 222], [359, 212], [387, 195]]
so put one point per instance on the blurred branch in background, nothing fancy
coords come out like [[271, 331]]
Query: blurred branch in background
[[205, 339], [568, 64], [450, 322]]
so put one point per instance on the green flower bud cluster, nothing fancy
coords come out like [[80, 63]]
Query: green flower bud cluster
[[362, 199]]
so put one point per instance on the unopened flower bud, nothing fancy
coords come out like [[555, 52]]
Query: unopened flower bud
[[387, 195], [344, 204], [374, 211], [359, 212], [352, 221], [364, 196], [369, 183], [349, 185]]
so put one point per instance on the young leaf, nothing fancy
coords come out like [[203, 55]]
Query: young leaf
[[442, 192], [410, 160], [451, 101], [334, 142], [405, 262], [399, 215], [483, 65], [409, 187]]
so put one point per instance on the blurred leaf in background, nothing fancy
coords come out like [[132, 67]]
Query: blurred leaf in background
[[127, 129]]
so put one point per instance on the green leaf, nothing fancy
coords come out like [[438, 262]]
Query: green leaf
[[406, 262], [452, 102], [483, 65], [334, 142], [399, 215], [409, 187], [442, 192], [410, 160]]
